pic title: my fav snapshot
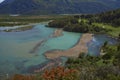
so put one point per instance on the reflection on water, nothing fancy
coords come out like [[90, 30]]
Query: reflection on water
[[98, 40]]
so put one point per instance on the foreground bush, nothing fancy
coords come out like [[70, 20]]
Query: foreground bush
[[60, 73]]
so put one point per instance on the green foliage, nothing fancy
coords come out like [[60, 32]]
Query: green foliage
[[23, 20], [105, 44], [76, 24], [106, 67], [107, 56], [119, 36], [82, 55], [111, 17], [58, 24], [106, 23]]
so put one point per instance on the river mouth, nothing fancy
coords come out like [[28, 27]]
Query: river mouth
[[22, 51]]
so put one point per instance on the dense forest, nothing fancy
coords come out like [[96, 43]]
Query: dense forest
[[107, 22], [110, 17]]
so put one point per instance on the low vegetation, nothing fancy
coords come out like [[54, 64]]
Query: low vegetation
[[6, 21], [104, 67]]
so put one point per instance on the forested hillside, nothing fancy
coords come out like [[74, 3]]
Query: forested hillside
[[57, 6]]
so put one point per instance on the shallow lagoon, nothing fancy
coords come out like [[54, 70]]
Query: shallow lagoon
[[15, 47]]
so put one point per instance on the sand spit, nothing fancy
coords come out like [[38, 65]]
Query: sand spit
[[81, 46], [57, 33]]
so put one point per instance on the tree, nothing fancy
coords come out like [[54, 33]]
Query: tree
[[81, 55], [119, 36], [107, 56], [105, 44]]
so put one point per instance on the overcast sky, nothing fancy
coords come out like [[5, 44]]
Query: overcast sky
[[1, 1]]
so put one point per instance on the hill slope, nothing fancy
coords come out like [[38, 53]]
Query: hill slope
[[57, 6]]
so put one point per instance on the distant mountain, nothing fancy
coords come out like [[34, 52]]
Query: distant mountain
[[57, 6]]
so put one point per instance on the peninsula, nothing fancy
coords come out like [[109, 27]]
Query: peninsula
[[80, 47]]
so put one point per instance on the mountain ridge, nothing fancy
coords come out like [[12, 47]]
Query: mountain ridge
[[57, 6]]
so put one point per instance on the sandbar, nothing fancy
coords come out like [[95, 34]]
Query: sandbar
[[80, 47]]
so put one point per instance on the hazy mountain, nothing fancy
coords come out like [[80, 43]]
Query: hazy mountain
[[57, 6]]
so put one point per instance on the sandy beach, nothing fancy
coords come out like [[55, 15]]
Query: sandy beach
[[80, 47]]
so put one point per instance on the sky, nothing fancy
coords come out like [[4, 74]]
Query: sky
[[1, 1]]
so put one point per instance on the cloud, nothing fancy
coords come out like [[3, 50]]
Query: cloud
[[1, 1]]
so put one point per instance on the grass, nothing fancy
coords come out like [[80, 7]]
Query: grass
[[113, 31], [24, 20]]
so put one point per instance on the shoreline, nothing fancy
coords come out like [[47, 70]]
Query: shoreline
[[80, 47]]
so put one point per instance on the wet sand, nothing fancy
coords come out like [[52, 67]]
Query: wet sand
[[80, 47], [37, 46]]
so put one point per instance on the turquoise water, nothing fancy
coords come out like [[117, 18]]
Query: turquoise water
[[15, 47], [22, 50]]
